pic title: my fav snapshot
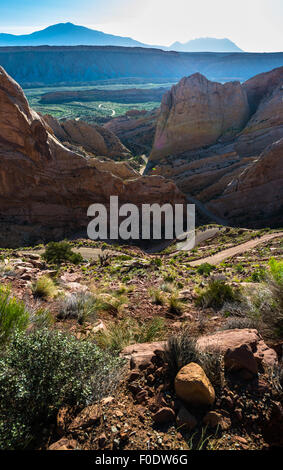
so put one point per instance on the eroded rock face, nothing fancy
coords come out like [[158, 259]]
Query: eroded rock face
[[196, 113], [93, 138], [239, 174], [257, 192], [45, 188], [136, 129]]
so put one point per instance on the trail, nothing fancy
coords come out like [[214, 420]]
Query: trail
[[235, 250]]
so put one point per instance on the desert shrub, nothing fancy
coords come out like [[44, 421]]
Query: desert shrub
[[239, 268], [157, 296], [13, 315], [61, 252], [234, 323], [111, 303], [44, 370], [205, 269], [156, 262], [258, 275], [79, 306], [176, 306], [180, 350], [129, 331], [216, 294], [44, 288]]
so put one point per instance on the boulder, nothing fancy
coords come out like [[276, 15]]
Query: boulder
[[140, 355], [164, 415], [223, 341], [215, 419], [193, 386]]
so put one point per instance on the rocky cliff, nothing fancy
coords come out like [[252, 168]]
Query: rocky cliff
[[45, 188], [93, 138], [208, 135], [136, 129]]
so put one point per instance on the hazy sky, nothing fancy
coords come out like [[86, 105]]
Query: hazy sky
[[254, 25]]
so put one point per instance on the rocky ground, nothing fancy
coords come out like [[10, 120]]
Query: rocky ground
[[239, 406]]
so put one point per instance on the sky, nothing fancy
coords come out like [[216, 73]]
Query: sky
[[254, 25]]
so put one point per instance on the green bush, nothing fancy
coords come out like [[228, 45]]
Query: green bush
[[61, 252], [216, 294], [258, 275], [44, 370], [276, 269], [13, 314], [205, 269]]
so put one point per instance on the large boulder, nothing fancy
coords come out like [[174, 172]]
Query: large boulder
[[238, 346], [46, 188], [193, 386]]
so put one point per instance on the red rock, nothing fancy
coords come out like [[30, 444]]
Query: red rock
[[216, 419], [221, 341], [163, 416], [88, 417], [65, 444], [239, 358], [141, 354]]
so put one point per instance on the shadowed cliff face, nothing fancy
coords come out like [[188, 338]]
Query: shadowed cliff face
[[209, 134], [45, 188]]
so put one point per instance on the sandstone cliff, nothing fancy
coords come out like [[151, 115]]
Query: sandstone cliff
[[206, 161], [93, 138], [135, 129], [45, 188]]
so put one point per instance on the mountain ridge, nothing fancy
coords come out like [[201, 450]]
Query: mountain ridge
[[69, 34], [206, 45]]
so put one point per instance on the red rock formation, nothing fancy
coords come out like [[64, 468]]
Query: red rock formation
[[135, 129], [216, 174], [196, 113], [45, 189], [93, 138]]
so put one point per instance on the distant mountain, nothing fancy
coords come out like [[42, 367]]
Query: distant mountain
[[67, 34], [206, 45]]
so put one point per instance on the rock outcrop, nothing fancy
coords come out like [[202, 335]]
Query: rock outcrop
[[94, 139], [196, 113], [229, 342], [135, 129], [45, 188], [227, 157]]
